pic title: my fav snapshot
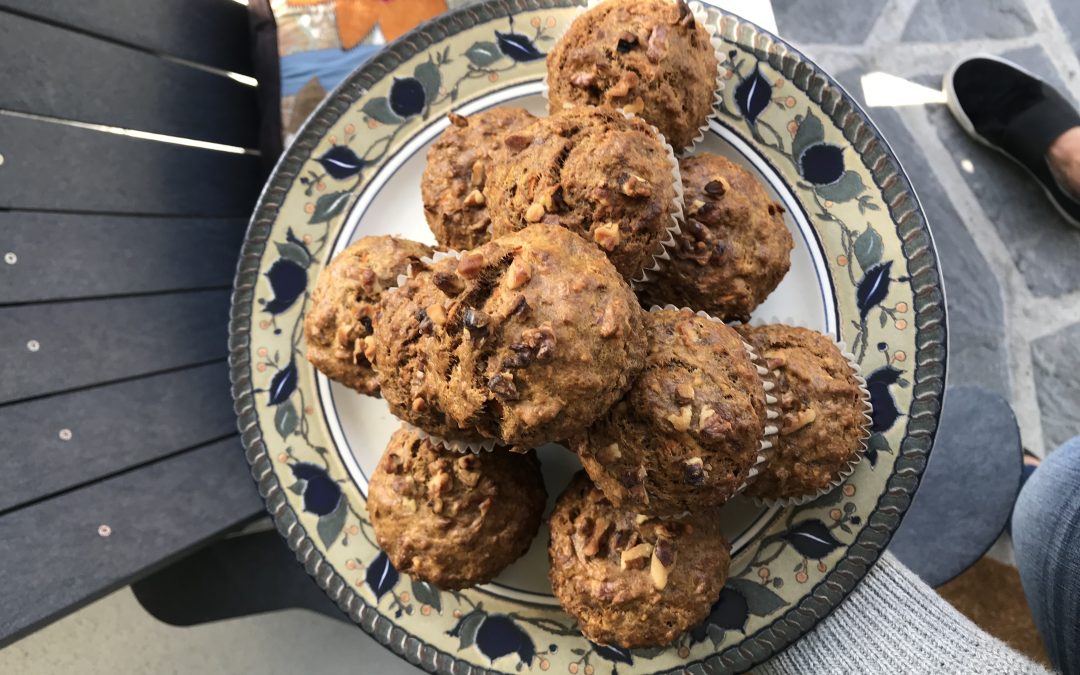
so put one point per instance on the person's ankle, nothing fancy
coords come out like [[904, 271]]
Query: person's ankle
[[1064, 160]]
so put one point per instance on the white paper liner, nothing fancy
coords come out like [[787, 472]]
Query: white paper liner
[[868, 409], [701, 16], [771, 431]]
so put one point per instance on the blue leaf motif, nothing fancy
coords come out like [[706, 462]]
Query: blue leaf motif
[[729, 612], [517, 47], [876, 444], [322, 494], [381, 576], [407, 97], [340, 162], [283, 384], [612, 653], [873, 288], [288, 280], [812, 539], [752, 95], [499, 636], [822, 163], [885, 411]]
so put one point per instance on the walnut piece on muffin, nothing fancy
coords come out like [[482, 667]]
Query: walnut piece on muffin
[[734, 248], [595, 172], [822, 423], [647, 57], [687, 433], [454, 519], [525, 340], [458, 165], [630, 580], [344, 303]]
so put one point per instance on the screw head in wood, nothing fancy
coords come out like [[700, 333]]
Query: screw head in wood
[[33, 345], [104, 530]]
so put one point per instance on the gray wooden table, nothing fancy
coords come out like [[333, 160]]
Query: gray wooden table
[[119, 449]]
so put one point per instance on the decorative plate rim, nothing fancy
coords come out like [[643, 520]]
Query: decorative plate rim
[[928, 387]]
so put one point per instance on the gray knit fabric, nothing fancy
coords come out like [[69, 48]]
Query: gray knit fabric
[[894, 623]]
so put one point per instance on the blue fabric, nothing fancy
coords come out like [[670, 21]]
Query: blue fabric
[[329, 65], [1046, 538]]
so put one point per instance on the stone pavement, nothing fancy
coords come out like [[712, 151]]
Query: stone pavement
[[1011, 264]]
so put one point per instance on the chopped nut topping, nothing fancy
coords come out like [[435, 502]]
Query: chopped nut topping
[[658, 44], [636, 558], [694, 471], [609, 323], [439, 483], [695, 207], [793, 423], [535, 212], [502, 385], [468, 471], [540, 341], [408, 505], [518, 274], [685, 390], [681, 421], [663, 559], [471, 264], [478, 174], [517, 142], [634, 107], [582, 79], [474, 198], [599, 533], [609, 453], [703, 418], [606, 236], [419, 405], [636, 186], [369, 349], [717, 187], [450, 284], [437, 314], [458, 120], [642, 518]]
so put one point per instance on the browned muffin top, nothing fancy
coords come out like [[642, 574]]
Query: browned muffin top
[[687, 433], [647, 57], [457, 168], [344, 305], [734, 248], [596, 173], [629, 580], [525, 339], [454, 519], [822, 419]]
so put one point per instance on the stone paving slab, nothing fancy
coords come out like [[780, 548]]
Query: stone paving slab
[[1011, 265]]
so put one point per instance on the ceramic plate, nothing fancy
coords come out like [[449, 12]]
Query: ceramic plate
[[863, 269]]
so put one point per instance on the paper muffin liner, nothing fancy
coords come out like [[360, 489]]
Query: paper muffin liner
[[769, 435], [701, 16], [865, 429]]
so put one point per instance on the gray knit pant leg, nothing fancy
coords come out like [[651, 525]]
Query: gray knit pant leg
[[894, 623]]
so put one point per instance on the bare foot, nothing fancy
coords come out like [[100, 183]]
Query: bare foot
[[1064, 157]]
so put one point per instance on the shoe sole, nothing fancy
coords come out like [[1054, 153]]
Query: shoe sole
[[969, 128]]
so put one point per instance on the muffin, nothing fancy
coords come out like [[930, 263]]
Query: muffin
[[687, 433], [457, 167], [823, 425], [524, 340], [454, 519], [632, 581], [734, 247], [344, 303], [647, 57], [595, 172]]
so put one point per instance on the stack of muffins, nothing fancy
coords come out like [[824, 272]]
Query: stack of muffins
[[527, 324]]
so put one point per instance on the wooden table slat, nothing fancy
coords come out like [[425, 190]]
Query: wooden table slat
[[55, 167], [61, 73], [55, 347], [67, 256], [210, 32], [53, 444], [55, 560]]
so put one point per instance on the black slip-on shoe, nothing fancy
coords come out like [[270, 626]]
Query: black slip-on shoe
[[1009, 109]]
